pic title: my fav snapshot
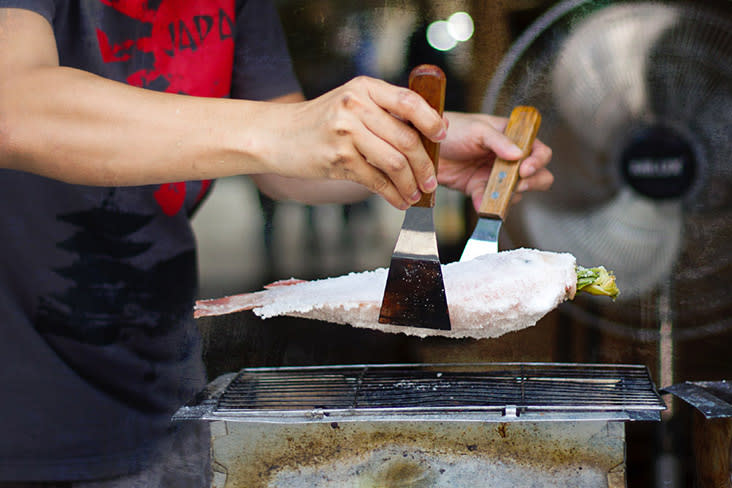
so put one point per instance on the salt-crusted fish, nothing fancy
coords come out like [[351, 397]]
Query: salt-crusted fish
[[487, 297]]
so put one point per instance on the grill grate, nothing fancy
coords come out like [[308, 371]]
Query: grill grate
[[435, 388]]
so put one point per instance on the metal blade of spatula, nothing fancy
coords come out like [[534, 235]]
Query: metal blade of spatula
[[523, 124], [415, 293]]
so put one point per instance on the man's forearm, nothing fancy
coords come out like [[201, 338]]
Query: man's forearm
[[77, 127], [80, 128]]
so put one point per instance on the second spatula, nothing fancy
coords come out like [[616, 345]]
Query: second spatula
[[523, 124]]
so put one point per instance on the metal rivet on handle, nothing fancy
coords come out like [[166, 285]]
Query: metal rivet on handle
[[501, 176], [494, 195]]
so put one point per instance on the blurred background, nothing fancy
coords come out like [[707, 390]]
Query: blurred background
[[636, 98]]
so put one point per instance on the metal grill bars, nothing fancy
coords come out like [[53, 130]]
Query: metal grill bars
[[520, 387]]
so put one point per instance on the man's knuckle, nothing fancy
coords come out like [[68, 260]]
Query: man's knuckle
[[408, 101], [379, 184], [396, 163], [349, 100], [341, 131], [340, 127], [341, 159], [408, 139], [360, 80]]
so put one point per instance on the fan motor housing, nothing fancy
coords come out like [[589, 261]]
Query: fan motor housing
[[658, 162]]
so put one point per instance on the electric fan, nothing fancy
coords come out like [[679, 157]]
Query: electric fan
[[636, 99]]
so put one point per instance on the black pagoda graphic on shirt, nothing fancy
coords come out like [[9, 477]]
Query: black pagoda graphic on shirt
[[117, 323], [107, 293]]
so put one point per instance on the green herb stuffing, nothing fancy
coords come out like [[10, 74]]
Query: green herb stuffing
[[597, 281]]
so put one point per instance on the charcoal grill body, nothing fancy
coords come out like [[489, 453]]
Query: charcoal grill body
[[514, 424], [712, 429]]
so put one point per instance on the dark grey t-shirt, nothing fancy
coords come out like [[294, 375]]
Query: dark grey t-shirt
[[97, 342]]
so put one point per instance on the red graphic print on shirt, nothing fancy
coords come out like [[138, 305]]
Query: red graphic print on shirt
[[171, 197], [192, 48]]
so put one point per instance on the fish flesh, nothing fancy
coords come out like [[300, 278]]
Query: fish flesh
[[487, 296]]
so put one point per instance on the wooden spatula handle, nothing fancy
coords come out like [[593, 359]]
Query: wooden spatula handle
[[429, 81], [523, 124]]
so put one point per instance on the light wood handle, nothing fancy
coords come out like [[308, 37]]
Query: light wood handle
[[429, 81], [523, 124]]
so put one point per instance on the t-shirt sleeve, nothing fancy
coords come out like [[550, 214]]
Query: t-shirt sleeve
[[262, 65], [44, 7]]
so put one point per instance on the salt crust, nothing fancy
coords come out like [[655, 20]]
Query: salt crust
[[487, 297]]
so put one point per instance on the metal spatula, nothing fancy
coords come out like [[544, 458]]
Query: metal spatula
[[415, 293], [523, 124]]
